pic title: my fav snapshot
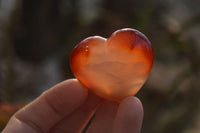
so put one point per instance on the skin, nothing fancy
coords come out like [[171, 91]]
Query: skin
[[68, 106]]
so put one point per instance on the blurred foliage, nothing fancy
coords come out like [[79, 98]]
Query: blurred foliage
[[37, 36]]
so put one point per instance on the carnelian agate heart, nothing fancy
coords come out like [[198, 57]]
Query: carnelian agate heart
[[113, 68]]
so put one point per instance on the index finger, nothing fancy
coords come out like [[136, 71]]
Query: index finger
[[49, 108]]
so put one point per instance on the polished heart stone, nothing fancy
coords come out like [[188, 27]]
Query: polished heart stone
[[113, 68]]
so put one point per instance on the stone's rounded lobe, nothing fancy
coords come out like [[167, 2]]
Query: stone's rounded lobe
[[113, 68], [124, 39], [81, 53]]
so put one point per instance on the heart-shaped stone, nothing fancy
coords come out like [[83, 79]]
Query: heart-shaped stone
[[113, 68]]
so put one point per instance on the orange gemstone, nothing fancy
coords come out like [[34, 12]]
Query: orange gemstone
[[113, 68]]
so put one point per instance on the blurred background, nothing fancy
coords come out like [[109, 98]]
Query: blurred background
[[37, 36]]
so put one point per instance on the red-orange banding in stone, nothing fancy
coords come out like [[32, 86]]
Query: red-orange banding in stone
[[116, 67]]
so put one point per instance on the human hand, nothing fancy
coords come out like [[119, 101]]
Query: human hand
[[67, 108]]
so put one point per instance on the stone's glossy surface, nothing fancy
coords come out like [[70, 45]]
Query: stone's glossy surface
[[113, 68]]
